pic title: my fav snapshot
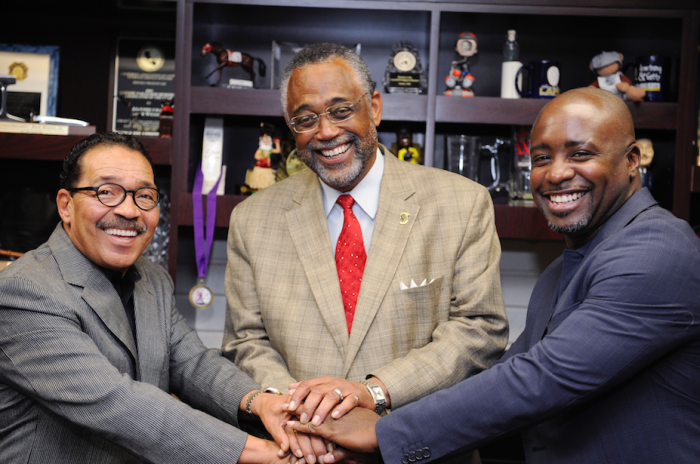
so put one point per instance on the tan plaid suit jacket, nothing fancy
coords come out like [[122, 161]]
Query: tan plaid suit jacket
[[285, 319]]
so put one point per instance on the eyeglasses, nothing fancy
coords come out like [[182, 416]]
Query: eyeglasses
[[335, 114], [146, 198]]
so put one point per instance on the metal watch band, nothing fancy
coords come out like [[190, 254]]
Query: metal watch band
[[377, 394], [249, 402]]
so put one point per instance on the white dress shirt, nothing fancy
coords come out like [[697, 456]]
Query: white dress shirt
[[366, 196]]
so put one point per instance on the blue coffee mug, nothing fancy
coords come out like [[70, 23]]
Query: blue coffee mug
[[543, 78]]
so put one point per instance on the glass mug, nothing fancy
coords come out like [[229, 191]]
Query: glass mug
[[519, 191], [464, 157]]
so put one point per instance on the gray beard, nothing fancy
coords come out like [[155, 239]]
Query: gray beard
[[341, 176]]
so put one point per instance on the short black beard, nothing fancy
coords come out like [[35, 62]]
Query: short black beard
[[569, 229], [364, 149]]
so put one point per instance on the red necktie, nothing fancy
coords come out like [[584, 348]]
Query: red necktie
[[350, 258]]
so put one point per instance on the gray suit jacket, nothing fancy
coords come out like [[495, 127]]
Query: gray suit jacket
[[285, 313], [75, 388]]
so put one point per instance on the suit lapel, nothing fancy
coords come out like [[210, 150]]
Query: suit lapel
[[308, 229], [98, 291], [386, 250], [148, 324]]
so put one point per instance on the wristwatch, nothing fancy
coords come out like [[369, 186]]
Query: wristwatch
[[377, 394], [249, 402]]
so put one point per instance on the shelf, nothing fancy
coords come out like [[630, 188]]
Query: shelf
[[523, 222], [266, 102], [55, 147], [224, 206], [512, 222], [523, 111]]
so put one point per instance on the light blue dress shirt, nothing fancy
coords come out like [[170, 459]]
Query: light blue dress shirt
[[366, 195]]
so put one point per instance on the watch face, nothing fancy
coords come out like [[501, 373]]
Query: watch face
[[404, 61], [150, 58], [201, 296]]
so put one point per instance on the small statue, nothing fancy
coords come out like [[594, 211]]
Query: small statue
[[262, 175], [229, 58], [165, 126], [608, 65], [646, 149], [406, 150], [460, 80]]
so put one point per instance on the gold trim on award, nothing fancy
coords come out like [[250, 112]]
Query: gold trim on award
[[201, 296]]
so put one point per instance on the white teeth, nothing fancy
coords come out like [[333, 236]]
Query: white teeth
[[336, 151], [566, 198], [122, 232]]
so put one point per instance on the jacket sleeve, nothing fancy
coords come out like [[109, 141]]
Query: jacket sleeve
[[246, 341], [639, 305], [46, 356]]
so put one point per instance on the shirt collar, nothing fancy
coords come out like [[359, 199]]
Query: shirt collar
[[365, 194]]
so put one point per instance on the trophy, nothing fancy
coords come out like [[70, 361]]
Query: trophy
[[404, 73]]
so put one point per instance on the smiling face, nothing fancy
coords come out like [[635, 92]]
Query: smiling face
[[111, 237], [340, 154], [584, 162]]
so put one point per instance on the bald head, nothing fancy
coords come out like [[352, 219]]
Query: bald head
[[584, 161], [608, 104]]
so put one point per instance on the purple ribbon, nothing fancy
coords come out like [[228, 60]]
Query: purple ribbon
[[202, 248]]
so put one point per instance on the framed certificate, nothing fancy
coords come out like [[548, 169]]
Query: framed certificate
[[144, 76], [36, 70]]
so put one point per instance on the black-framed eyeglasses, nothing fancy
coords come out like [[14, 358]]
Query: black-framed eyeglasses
[[335, 114], [109, 194]]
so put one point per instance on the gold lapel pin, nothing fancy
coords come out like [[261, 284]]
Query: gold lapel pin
[[404, 218]]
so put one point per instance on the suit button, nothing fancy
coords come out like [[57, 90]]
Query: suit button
[[419, 454], [412, 456], [426, 452], [404, 459]]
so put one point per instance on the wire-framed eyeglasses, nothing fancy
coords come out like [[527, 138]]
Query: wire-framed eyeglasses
[[335, 114], [109, 194]]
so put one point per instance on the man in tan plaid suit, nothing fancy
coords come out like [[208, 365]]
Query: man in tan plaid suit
[[430, 311]]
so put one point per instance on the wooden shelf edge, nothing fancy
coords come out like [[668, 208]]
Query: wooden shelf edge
[[55, 147], [224, 206], [512, 222], [266, 102], [523, 223], [524, 111]]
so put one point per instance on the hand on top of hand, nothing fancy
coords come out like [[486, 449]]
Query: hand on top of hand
[[312, 400]]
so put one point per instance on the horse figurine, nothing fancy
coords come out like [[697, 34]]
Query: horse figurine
[[229, 58]]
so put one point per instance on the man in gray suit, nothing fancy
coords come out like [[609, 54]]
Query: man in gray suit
[[91, 343]]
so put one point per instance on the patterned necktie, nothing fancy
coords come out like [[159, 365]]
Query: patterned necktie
[[350, 258]]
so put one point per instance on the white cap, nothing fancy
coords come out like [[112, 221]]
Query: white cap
[[511, 35]]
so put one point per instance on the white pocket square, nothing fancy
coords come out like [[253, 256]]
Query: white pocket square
[[413, 284]]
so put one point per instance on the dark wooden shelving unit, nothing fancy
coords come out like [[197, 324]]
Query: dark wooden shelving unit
[[553, 28]]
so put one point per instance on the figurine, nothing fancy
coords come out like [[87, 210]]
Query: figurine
[[165, 126], [460, 80], [262, 175], [229, 58], [646, 150], [608, 65], [406, 150]]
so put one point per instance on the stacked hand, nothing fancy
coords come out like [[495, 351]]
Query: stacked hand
[[311, 402]]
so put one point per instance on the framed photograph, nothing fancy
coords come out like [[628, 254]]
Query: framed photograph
[[36, 70], [144, 77]]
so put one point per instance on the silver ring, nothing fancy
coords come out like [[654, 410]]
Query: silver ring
[[340, 394], [357, 399]]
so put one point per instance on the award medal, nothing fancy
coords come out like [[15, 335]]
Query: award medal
[[202, 296]]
